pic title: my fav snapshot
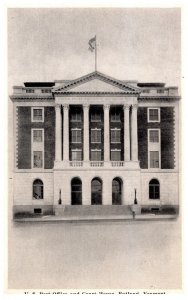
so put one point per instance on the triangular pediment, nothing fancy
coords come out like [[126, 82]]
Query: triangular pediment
[[96, 83]]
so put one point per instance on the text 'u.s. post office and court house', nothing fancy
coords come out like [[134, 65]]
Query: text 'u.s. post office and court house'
[[94, 140]]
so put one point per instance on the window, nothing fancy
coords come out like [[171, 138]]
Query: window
[[96, 191], [46, 91], [75, 116], [77, 154], [38, 189], [154, 189], [146, 91], [76, 136], [154, 159], [37, 159], [160, 91], [30, 91], [96, 155], [115, 117], [115, 135], [37, 135], [116, 155], [95, 116], [37, 115], [153, 115], [95, 135], [154, 136], [116, 191]]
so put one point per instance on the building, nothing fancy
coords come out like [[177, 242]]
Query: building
[[94, 140]]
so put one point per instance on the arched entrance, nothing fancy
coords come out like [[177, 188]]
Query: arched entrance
[[96, 191], [116, 191], [76, 191]]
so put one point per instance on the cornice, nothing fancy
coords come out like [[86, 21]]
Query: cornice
[[96, 75], [31, 97], [166, 98], [95, 93]]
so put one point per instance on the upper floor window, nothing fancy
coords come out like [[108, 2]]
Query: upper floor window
[[146, 91], [37, 135], [116, 155], [154, 135], [37, 159], [46, 91], [30, 91], [115, 135], [160, 91], [115, 117], [153, 114], [95, 155], [76, 135], [75, 116], [96, 135], [154, 159], [37, 114], [95, 116]]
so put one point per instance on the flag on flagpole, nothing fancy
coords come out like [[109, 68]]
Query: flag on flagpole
[[92, 44]]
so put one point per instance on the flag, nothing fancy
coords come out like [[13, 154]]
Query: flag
[[92, 44]]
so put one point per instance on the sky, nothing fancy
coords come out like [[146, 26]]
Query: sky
[[47, 44]]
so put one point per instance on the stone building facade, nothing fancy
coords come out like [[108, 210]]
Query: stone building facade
[[94, 140]]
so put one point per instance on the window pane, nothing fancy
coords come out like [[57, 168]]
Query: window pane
[[95, 155], [115, 117], [77, 155], [37, 159], [95, 116], [153, 115], [37, 135], [37, 191], [154, 159], [37, 114], [154, 136], [116, 155], [115, 136], [95, 136], [75, 116], [76, 136]]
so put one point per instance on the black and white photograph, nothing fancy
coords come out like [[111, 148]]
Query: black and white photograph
[[94, 99]]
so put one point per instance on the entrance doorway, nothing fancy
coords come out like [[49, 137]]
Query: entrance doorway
[[96, 191], [76, 191]]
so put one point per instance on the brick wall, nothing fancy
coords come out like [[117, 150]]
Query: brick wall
[[167, 137], [24, 137]]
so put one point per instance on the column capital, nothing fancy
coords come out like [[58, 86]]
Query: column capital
[[135, 106], [86, 106], [126, 106], [58, 106], [106, 106], [66, 106]]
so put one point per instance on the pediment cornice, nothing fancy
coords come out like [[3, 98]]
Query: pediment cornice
[[121, 87]]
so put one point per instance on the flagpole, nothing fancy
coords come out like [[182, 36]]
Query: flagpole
[[95, 53]]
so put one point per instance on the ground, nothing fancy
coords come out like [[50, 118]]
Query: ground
[[95, 255]]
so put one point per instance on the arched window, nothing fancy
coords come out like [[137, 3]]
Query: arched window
[[96, 191], [37, 189], [116, 191], [76, 191], [154, 189]]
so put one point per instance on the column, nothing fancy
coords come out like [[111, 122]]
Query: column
[[86, 132], [126, 133], [58, 133], [134, 133], [66, 133], [106, 133]]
